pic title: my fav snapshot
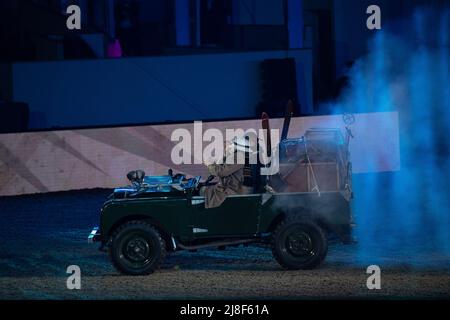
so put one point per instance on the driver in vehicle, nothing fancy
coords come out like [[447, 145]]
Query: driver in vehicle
[[234, 178]]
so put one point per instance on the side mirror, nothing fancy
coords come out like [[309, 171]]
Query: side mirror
[[136, 177]]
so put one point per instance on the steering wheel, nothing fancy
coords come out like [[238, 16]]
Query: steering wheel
[[209, 179], [196, 181], [205, 183]]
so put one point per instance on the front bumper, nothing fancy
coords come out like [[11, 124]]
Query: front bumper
[[94, 236]]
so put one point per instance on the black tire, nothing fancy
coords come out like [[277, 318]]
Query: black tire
[[137, 248], [299, 243]]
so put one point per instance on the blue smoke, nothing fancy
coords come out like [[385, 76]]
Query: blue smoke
[[406, 214]]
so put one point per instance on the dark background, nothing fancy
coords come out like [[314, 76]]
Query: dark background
[[295, 49]]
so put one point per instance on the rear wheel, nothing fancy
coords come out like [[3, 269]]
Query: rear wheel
[[299, 243], [137, 248]]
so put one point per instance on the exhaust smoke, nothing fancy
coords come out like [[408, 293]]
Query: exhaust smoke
[[406, 214]]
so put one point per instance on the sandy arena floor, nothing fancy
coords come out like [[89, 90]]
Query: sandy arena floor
[[41, 235]]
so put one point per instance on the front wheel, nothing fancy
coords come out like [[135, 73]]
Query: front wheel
[[299, 243], [137, 248]]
